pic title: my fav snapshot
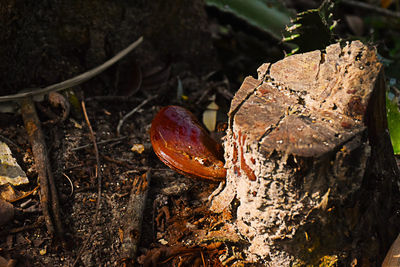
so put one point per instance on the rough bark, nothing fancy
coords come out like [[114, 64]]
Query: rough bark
[[48, 191], [311, 174], [132, 223]]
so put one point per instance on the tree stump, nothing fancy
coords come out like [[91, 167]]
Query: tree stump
[[311, 175]]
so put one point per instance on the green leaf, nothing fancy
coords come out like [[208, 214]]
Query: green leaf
[[393, 116], [271, 18], [312, 29]]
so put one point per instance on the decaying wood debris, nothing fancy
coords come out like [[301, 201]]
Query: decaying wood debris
[[311, 174], [48, 192], [132, 224]]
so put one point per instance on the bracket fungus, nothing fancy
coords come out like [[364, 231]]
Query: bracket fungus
[[180, 141]]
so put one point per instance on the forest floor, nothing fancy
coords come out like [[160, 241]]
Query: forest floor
[[176, 220], [176, 207]]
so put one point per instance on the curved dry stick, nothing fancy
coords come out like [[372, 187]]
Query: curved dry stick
[[48, 191], [75, 80], [25, 195]]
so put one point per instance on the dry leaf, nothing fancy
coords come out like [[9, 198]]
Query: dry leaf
[[138, 148], [210, 116]]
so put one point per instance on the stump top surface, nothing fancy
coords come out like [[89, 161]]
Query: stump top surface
[[307, 104]]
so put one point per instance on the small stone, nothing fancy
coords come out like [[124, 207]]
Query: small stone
[[10, 171]]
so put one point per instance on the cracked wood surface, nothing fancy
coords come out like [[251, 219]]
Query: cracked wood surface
[[309, 103], [306, 149]]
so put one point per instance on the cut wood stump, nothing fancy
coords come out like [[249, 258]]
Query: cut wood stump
[[311, 176]]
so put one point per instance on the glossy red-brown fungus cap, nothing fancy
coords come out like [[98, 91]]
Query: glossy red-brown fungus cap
[[184, 145]]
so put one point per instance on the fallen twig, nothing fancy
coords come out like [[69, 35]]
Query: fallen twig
[[99, 180], [112, 98], [70, 182], [48, 192], [125, 164], [75, 80], [34, 225], [24, 195], [132, 222], [101, 142], [372, 8], [133, 111]]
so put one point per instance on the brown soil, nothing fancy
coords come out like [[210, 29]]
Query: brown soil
[[175, 207]]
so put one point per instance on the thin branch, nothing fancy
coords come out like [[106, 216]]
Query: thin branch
[[25, 195], [55, 203], [372, 8], [133, 111], [99, 181], [8, 141], [75, 80], [70, 182], [100, 142], [39, 150], [96, 151], [34, 225]]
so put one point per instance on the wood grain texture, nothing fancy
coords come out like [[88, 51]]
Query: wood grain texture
[[307, 147]]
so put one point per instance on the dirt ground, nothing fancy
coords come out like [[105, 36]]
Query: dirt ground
[[177, 229], [175, 214], [174, 69]]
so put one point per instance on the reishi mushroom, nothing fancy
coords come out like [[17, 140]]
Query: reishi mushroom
[[180, 141]]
